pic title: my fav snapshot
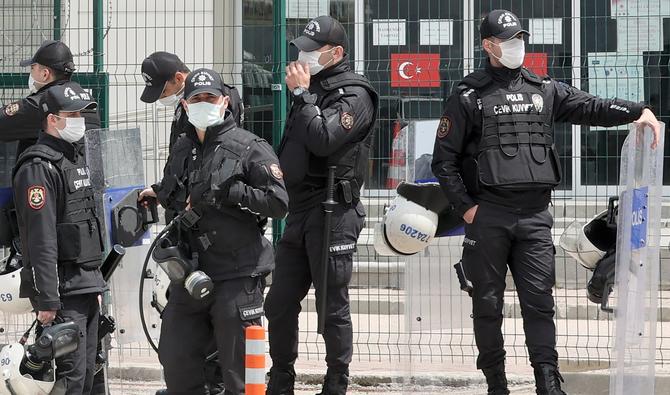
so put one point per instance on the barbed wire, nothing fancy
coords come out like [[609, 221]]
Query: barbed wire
[[36, 26], [35, 20]]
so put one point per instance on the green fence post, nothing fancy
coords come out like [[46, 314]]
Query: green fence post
[[57, 19], [100, 90], [279, 96]]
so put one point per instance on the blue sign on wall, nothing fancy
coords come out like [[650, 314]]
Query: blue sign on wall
[[638, 234]]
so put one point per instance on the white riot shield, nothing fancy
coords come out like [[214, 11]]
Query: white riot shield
[[637, 264], [437, 311]]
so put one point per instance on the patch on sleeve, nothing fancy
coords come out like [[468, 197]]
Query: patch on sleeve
[[12, 108], [346, 248], [36, 196], [444, 128], [347, 120], [276, 171]]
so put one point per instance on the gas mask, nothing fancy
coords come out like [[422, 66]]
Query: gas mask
[[203, 115], [513, 53], [174, 259], [312, 59], [74, 129]]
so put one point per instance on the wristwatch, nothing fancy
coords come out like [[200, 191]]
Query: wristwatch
[[299, 91]]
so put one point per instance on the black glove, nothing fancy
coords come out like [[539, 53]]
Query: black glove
[[228, 194]]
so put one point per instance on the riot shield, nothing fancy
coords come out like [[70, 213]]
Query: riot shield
[[437, 309], [7, 160], [12, 325], [114, 158], [637, 264], [115, 161]]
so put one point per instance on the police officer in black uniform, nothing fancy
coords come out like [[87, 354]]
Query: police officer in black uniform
[[234, 183], [165, 75], [51, 65], [330, 123], [60, 230], [496, 161]]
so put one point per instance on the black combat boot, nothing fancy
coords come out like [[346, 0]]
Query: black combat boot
[[282, 380], [496, 380], [335, 383], [548, 380]]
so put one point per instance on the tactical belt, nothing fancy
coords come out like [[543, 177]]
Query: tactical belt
[[347, 192]]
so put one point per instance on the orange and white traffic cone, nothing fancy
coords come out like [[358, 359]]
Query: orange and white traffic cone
[[254, 360], [397, 167]]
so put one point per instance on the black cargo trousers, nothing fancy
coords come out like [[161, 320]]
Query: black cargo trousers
[[498, 239], [189, 325], [75, 371], [213, 375], [298, 265]]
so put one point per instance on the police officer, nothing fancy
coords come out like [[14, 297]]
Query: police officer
[[234, 183], [60, 230], [330, 123], [165, 75], [496, 162], [52, 64]]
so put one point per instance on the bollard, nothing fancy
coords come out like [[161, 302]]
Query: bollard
[[254, 361]]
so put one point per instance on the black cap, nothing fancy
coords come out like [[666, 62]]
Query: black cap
[[157, 70], [54, 54], [321, 31], [68, 97], [204, 81], [501, 24]]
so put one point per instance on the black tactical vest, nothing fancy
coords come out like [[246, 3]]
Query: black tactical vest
[[79, 235], [227, 238], [516, 149], [352, 158]]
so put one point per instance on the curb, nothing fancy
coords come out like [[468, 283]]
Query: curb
[[595, 382], [363, 379]]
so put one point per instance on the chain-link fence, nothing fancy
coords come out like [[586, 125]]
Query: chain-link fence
[[414, 52]]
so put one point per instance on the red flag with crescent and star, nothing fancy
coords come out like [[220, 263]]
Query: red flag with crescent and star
[[415, 70]]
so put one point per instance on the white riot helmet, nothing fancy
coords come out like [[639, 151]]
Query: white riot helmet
[[10, 374], [406, 229], [588, 243], [10, 302], [159, 296]]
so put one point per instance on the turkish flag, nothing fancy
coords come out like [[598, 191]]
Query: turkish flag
[[536, 62], [415, 70]]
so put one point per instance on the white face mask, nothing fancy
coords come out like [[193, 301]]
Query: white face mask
[[203, 115], [34, 85], [513, 52], [312, 59], [173, 99], [74, 129]]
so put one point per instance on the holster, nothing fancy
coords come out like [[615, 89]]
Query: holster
[[466, 285]]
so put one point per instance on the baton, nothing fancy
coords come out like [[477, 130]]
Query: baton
[[328, 207]]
